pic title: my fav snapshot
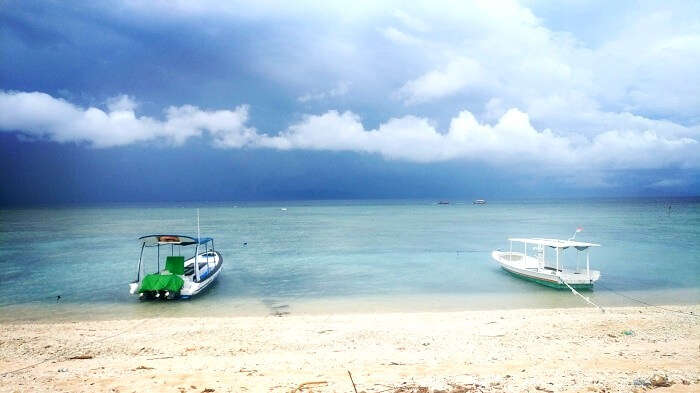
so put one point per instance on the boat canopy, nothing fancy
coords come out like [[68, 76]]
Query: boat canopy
[[555, 243], [156, 240]]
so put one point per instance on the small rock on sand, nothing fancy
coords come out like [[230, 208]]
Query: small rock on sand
[[659, 380]]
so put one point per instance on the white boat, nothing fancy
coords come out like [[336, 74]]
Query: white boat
[[179, 277], [479, 202], [550, 272]]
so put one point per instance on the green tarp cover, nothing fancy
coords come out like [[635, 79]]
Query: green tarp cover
[[161, 282]]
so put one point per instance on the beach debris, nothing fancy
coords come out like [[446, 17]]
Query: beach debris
[[81, 357], [207, 390], [628, 332], [62, 370], [659, 380], [543, 389], [353, 382], [640, 382], [143, 368], [307, 385]]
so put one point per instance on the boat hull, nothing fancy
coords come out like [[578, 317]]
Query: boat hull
[[547, 283], [529, 269], [192, 288]]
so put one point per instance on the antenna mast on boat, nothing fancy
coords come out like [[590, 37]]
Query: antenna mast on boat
[[197, 225], [579, 229]]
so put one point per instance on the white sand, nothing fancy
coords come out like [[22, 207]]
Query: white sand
[[515, 350]]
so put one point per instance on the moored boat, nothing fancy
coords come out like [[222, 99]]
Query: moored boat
[[179, 277], [550, 272]]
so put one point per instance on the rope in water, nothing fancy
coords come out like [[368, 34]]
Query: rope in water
[[646, 303], [582, 297]]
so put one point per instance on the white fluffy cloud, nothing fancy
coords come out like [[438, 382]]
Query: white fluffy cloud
[[459, 75], [43, 116], [511, 141]]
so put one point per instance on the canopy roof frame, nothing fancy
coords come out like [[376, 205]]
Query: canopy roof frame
[[181, 240], [555, 243]]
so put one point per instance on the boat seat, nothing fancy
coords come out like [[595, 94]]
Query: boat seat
[[189, 270], [175, 265]]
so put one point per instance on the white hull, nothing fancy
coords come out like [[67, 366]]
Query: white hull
[[531, 268], [213, 267]]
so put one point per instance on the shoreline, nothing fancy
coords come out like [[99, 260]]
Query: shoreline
[[48, 311], [131, 308], [566, 349]]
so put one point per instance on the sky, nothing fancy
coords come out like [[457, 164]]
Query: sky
[[132, 101]]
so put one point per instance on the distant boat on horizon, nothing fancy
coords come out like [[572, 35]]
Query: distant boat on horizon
[[443, 203], [479, 202]]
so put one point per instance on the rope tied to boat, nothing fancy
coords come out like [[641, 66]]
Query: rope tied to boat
[[575, 292]]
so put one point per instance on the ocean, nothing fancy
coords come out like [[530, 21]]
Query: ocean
[[344, 256]]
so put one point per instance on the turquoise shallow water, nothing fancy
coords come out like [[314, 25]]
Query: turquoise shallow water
[[343, 256]]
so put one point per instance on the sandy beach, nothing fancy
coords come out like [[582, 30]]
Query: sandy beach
[[553, 350]]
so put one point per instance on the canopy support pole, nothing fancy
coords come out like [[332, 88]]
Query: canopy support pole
[[138, 270], [588, 260], [196, 251], [196, 263], [544, 257], [557, 271], [510, 254], [577, 255]]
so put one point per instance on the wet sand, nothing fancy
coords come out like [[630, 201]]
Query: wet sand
[[547, 350]]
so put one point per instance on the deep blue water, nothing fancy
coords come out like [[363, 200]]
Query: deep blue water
[[354, 255]]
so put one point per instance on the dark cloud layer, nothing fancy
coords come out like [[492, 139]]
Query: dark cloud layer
[[592, 74]]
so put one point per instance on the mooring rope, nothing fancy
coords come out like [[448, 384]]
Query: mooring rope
[[582, 297], [647, 304], [68, 351]]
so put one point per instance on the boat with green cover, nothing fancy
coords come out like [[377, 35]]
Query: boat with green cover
[[179, 277]]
